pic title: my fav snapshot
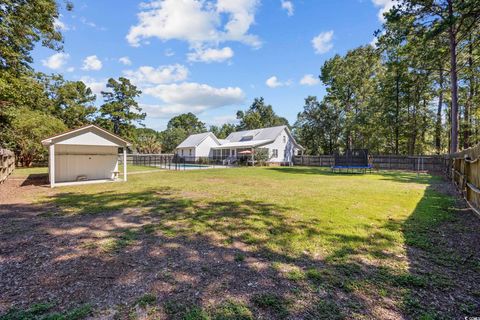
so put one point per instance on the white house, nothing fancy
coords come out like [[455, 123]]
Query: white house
[[279, 142], [87, 154], [197, 145]]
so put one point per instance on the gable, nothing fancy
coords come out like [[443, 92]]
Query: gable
[[90, 136]]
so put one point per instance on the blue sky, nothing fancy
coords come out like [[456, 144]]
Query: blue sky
[[210, 57]]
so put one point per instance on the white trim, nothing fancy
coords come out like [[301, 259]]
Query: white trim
[[51, 165], [50, 140], [125, 164]]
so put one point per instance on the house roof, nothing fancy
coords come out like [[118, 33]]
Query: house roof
[[240, 139], [257, 134], [85, 130], [195, 139], [269, 134], [243, 144]]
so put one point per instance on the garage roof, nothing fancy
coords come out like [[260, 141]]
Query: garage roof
[[87, 135]]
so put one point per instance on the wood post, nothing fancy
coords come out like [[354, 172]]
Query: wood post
[[124, 163], [51, 165]]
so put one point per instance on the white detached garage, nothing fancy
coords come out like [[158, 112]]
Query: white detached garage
[[87, 154]]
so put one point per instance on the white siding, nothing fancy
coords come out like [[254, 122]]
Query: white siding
[[94, 162], [285, 149], [204, 148], [89, 138], [187, 152]]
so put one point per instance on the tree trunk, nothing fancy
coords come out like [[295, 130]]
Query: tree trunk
[[438, 124], [469, 104], [453, 76], [397, 113]]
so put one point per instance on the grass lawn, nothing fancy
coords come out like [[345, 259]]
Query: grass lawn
[[25, 172], [270, 243]]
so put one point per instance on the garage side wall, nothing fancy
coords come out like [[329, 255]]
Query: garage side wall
[[92, 162]]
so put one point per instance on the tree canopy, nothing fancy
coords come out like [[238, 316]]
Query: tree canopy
[[259, 115]]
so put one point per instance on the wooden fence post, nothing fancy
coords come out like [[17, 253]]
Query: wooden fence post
[[7, 164]]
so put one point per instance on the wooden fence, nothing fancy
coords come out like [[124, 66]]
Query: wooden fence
[[465, 173], [383, 162], [7, 164]]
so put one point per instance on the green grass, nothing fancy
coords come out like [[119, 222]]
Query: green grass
[[44, 311], [147, 299], [21, 172], [289, 211], [356, 225], [272, 302]]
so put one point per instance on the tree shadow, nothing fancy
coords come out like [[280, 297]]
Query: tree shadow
[[112, 248], [35, 179]]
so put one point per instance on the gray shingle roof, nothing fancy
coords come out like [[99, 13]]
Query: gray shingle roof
[[195, 139], [257, 134]]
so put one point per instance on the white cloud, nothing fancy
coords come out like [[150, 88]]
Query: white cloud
[[220, 120], [92, 63], [70, 69], [147, 75], [211, 55], [323, 42], [56, 61], [273, 82], [60, 25], [309, 80], [97, 86], [169, 52], [197, 22], [91, 24], [288, 6], [384, 6], [125, 60], [190, 97]]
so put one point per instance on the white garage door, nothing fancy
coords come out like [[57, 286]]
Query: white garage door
[[93, 166]]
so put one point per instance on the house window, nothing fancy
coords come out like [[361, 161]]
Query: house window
[[182, 152], [284, 139], [285, 154], [190, 152], [275, 153], [233, 152]]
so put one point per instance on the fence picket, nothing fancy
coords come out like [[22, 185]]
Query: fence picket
[[7, 164]]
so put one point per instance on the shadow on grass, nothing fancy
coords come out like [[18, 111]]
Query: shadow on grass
[[212, 257], [35, 179]]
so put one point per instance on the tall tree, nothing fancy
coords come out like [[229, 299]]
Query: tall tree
[[121, 111], [179, 128], [318, 127], [351, 82], [188, 122], [222, 131], [147, 141], [26, 129], [23, 23], [454, 18], [259, 115], [73, 101]]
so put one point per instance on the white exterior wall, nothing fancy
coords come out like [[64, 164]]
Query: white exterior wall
[[89, 139], [187, 152], [94, 162], [286, 150], [204, 149]]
